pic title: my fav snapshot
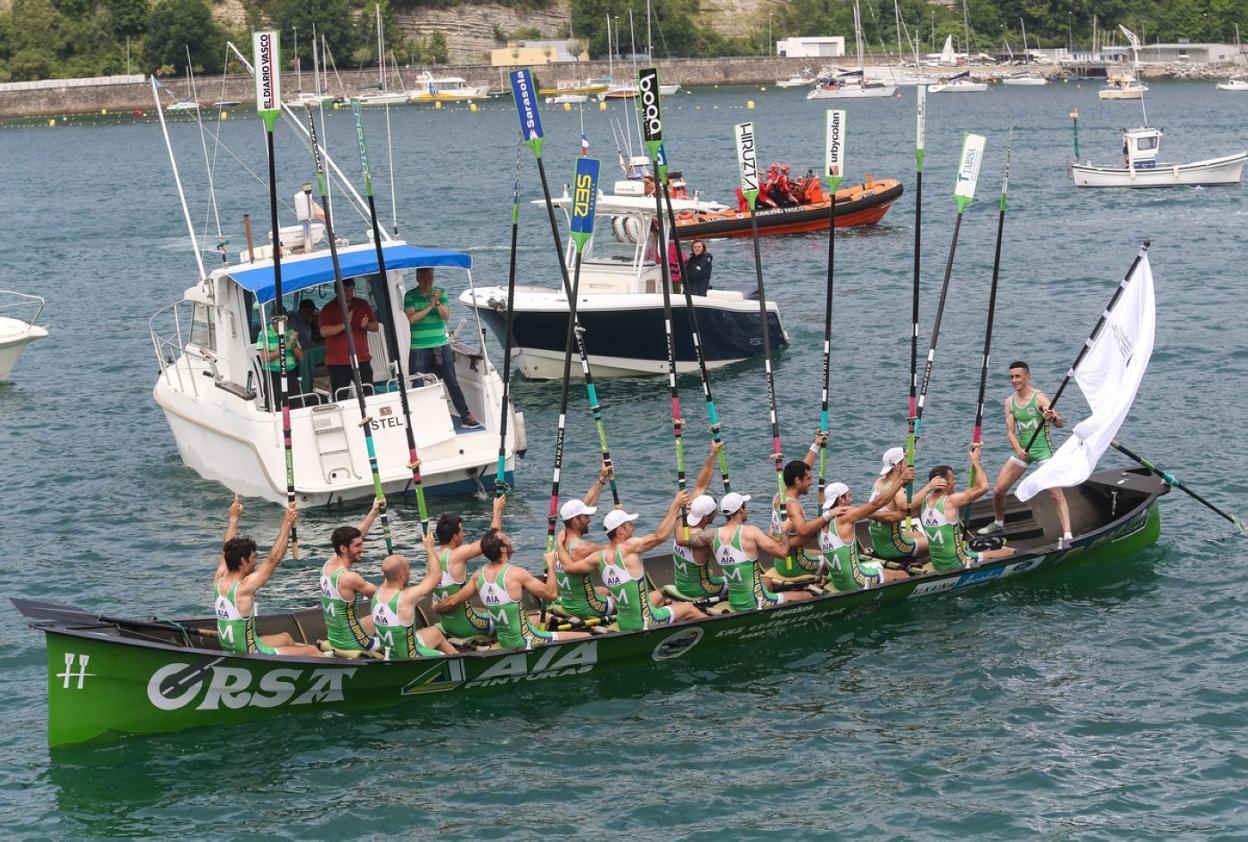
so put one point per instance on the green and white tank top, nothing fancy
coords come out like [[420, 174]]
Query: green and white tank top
[[1027, 419], [577, 595], [745, 582], [632, 603], [887, 539], [508, 614], [844, 564], [945, 546], [777, 517], [398, 640], [342, 624], [690, 576], [236, 633], [463, 621]]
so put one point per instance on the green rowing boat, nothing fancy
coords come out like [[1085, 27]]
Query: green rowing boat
[[109, 676]]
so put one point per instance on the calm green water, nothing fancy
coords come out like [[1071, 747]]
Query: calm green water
[[1091, 704]]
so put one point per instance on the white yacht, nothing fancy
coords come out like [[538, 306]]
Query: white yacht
[[447, 88], [1122, 87], [959, 83], [17, 332], [1141, 169]]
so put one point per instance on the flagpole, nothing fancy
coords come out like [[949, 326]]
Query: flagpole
[[747, 166], [964, 194], [266, 47], [344, 306], [920, 151], [1070, 372], [1176, 483], [531, 133], [833, 173]]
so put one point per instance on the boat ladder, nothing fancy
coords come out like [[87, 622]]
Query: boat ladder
[[332, 445]]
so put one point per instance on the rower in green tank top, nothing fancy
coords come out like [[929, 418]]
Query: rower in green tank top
[[501, 586], [348, 626], [578, 557], [737, 545], [1026, 411], [394, 610], [691, 547], [838, 541], [238, 578], [889, 537], [787, 515], [624, 573], [945, 543], [454, 552]]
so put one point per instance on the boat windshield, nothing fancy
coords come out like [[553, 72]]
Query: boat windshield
[[615, 240]]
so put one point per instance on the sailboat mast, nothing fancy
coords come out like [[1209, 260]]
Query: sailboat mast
[[316, 63], [298, 62], [901, 54], [966, 29], [649, 35], [1026, 53], [381, 50], [610, 65], [858, 37]]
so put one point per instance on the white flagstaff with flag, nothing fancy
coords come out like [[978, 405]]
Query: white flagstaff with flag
[[1109, 377]]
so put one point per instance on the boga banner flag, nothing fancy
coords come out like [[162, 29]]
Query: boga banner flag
[[834, 161], [526, 107], [968, 169], [584, 199], [651, 113], [747, 160], [268, 76]]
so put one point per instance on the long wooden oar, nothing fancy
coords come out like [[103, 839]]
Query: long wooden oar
[[650, 116], [500, 481], [833, 173], [524, 94], [1070, 372], [1172, 480], [963, 193], [747, 166], [344, 305], [265, 46], [392, 336], [920, 151], [584, 199], [977, 435]]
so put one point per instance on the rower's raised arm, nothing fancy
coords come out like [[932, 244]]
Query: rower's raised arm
[[666, 526], [367, 523], [467, 592], [264, 570], [703, 481], [595, 490], [857, 513], [980, 488], [813, 450], [765, 542], [547, 590], [496, 515]]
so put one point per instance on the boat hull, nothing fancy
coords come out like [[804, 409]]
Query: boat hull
[[108, 677], [968, 88], [867, 208], [624, 334], [1225, 170], [15, 335], [869, 92], [1025, 82]]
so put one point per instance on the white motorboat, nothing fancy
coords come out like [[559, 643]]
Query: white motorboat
[[1233, 85], [959, 83], [620, 307], [797, 80], [568, 99], [628, 90], [17, 332], [851, 86], [1024, 80], [447, 88], [1122, 87], [378, 99], [1140, 148]]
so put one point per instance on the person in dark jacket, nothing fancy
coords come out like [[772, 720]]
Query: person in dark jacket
[[698, 269]]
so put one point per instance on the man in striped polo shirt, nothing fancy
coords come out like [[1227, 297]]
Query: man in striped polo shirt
[[428, 309]]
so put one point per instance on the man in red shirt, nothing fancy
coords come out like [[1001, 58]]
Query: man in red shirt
[[363, 322]]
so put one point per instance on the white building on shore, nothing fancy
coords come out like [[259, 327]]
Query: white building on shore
[[832, 46]]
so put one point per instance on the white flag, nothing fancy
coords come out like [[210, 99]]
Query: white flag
[[1109, 377]]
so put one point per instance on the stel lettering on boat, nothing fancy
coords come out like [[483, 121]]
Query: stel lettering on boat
[[834, 164], [215, 686], [268, 80]]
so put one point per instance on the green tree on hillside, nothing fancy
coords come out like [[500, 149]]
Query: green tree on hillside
[[174, 25]]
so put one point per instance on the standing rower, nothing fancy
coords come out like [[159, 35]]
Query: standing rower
[[235, 584], [346, 628], [624, 574], [394, 610], [501, 586], [838, 543], [736, 546], [1026, 411], [889, 539], [453, 555], [691, 548], [945, 544]]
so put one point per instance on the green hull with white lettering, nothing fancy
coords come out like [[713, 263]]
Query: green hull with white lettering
[[108, 677]]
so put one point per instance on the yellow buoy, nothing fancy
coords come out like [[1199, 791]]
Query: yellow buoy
[[567, 106], [52, 122], [335, 106], [438, 105], [602, 105], [225, 115], [750, 105], [472, 106], [103, 110]]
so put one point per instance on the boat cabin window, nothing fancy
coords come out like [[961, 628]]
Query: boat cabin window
[[203, 331], [1143, 143], [367, 287]]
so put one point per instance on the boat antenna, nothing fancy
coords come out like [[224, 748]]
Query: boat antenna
[[500, 478], [964, 193], [203, 142], [920, 151], [977, 435], [747, 166], [212, 164], [177, 180], [394, 196], [365, 420], [650, 120], [690, 311], [523, 93], [632, 39], [266, 48], [833, 173], [1070, 372], [392, 337]]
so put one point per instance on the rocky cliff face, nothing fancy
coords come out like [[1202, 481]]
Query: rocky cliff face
[[470, 27]]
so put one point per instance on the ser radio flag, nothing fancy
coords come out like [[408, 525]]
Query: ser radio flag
[[584, 199]]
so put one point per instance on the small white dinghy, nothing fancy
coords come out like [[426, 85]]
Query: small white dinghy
[[1122, 87], [1233, 85], [1140, 147], [15, 332], [959, 84]]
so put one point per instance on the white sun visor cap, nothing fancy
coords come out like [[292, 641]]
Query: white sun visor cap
[[575, 508], [732, 503], [702, 505], [832, 493], [891, 457], [615, 519]]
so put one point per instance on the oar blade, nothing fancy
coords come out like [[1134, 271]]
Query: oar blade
[[968, 169], [834, 150], [266, 48], [584, 199], [524, 94], [650, 114], [747, 160]]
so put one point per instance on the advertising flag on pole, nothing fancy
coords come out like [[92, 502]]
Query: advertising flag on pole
[[267, 54], [834, 159], [523, 93], [747, 160], [968, 169], [584, 199]]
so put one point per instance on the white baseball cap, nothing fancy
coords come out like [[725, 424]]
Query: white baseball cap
[[575, 508], [833, 492], [891, 457], [702, 505], [615, 519], [732, 502]]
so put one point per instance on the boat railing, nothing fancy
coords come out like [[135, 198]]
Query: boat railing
[[165, 329], [24, 301]]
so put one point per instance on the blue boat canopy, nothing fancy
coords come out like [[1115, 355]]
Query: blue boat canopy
[[301, 274]]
